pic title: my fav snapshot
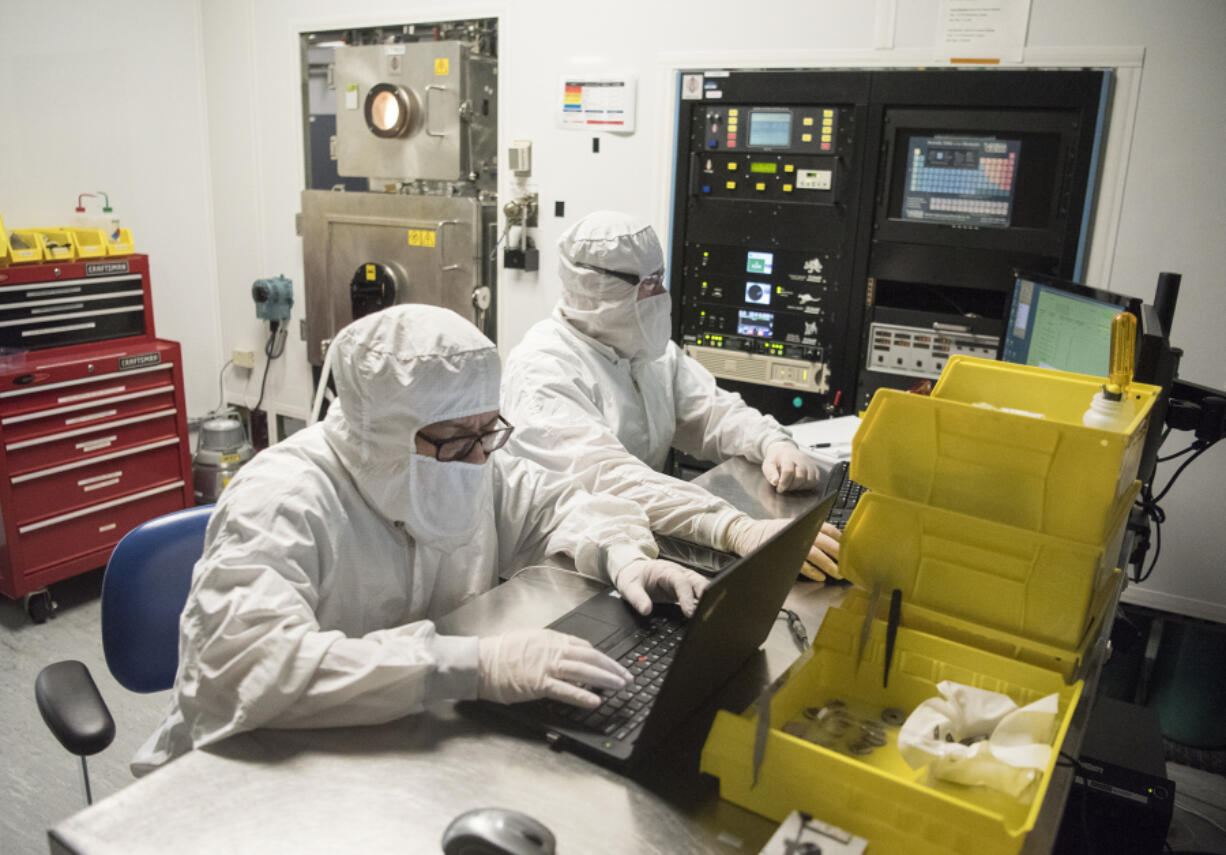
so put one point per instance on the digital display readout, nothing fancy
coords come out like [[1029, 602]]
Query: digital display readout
[[770, 129], [759, 262], [766, 168]]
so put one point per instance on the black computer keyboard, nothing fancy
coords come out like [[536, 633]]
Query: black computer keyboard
[[648, 659], [849, 493]]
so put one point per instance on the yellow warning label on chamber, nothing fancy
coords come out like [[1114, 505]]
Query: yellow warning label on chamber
[[442, 66], [421, 237]]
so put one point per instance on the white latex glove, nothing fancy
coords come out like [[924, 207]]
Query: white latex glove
[[786, 467], [649, 579], [541, 663], [747, 534]]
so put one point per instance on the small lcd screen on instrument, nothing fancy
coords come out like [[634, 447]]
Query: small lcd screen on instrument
[[759, 324], [766, 168], [759, 262], [772, 129]]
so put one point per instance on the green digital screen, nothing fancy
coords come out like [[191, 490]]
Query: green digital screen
[[1071, 334], [769, 168]]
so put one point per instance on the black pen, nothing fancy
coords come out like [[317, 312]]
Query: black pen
[[821, 445]]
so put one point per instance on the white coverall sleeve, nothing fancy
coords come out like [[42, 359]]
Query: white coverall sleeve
[[252, 653], [559, 428], [715, 424], [540, 513]]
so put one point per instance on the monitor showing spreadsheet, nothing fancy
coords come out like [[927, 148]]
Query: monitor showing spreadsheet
[[1062, 325]]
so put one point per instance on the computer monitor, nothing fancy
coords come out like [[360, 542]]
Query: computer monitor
[[1062, 325]]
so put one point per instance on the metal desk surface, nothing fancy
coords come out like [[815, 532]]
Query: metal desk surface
[[395, 787]]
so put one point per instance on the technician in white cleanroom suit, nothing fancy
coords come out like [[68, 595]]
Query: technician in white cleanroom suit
[[600, 393], [329, 553]]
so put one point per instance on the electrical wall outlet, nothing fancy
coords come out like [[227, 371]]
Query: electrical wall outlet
[[244, 358]]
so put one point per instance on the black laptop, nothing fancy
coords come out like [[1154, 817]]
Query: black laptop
[[677, 662]]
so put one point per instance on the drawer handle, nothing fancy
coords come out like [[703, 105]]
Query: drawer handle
[[89, 417], [94, 479], [96, 444], [112, 482]]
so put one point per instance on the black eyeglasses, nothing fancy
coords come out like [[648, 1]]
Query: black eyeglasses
[[459, 447], [628, 278]]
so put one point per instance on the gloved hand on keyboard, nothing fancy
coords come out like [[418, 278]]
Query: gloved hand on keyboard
[[541, 663], [645, 580], [786, 467], [747, 534]]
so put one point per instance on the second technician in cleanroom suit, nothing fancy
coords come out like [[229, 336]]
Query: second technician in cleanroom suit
[[329, 553], [601, 393]]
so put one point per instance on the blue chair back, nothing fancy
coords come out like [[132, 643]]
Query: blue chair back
[[143, 591]]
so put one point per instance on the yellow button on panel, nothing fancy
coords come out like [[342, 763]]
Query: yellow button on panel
[[829, 113], [787, 167], [731, 185], [733, 111], [825, 137], [806, 137], [808, 120], [759, 186], [787, 188], [732, 166]]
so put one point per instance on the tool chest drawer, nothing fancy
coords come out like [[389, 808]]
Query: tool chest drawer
[[64, 304], [67, 486], [65, 536], [83, 440], [93, 441]]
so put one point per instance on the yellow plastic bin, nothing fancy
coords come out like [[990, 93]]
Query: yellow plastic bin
[[122, 244], [1068, 661], [999, 576], [56, 244], [87, 243], [23, 247], [879, 796], [1005, 442]]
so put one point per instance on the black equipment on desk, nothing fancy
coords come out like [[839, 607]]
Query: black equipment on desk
[[1121, 796], [688, 659]]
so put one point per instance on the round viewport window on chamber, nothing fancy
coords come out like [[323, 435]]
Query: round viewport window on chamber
[[388, 110]]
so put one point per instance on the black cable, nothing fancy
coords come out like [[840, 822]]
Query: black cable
[[1148, 502], [1085, 824], [274, 328], [797, 628], [1171, 483]]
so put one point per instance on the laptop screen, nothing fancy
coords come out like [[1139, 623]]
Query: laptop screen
[[1062, 325]]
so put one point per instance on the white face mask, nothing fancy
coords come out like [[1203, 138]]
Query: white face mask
[[655, 323], [446, 501]]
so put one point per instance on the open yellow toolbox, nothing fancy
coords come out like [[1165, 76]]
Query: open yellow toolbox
[[878, 796], [1000, 518], [1005, 442]]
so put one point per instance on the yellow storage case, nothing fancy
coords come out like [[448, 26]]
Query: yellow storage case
[[1005, 442], [87, 243], [879, 796], [1067, 661], [55, 244], [1002, 577], [24, 247], [122, 245]]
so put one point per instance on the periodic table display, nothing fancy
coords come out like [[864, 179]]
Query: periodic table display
[[961, 180]]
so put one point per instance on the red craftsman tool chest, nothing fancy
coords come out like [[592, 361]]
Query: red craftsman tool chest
[[93, 430]]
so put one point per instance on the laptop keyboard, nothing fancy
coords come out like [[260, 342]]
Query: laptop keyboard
[[623, 712], [849, 493]]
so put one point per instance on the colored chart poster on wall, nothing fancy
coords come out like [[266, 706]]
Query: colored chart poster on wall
[[597, 103]]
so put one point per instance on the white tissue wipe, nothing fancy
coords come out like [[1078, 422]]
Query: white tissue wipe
[[1013, 743]]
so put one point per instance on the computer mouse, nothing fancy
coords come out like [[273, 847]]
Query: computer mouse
[[497, 831]]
